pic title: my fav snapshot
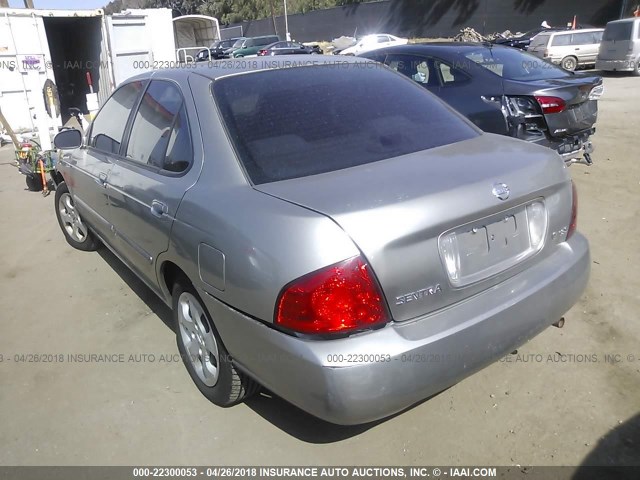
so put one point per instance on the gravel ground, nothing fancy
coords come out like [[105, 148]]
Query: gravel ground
[[571, 396]]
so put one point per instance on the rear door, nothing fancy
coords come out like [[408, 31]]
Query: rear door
[[456, 87], [91, 165], [617, 40], [148, 183], [586, 46], [471, 97]]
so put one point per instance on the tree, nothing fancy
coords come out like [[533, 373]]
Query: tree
[[229, 11]]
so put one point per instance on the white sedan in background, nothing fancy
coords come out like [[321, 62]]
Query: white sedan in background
[[371, 42]]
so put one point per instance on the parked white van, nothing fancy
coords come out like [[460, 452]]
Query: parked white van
[[620, 47], [570, 48]]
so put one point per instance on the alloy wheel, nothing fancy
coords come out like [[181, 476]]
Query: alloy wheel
[[71, 221], [198, 339]]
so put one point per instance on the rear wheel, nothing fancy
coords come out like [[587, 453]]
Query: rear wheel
[[205, 357], [74, 229], [569, 63]]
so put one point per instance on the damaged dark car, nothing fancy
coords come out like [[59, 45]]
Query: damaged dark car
[[506, 91]]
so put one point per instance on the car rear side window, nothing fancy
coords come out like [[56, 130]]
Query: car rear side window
[[618, 31], [301, 121], [160, 133], [585, 38], [108, 127], [513, 64]]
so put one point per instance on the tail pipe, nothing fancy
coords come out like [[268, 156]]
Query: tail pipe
[[559, 323]]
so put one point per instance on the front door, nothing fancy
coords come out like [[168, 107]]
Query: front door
[[91, 165], [147, 184]]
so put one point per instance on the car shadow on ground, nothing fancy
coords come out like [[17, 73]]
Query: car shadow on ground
[[619, 448], [304, 426], [138, 287], [298, 423]]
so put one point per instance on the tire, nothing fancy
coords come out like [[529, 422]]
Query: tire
[[203, 353], [34, 183], [76, 232], [569, 63]]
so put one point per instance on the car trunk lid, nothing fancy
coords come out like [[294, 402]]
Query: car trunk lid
[[407, 214]]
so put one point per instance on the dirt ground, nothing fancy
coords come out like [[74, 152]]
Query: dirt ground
[[571, 396]]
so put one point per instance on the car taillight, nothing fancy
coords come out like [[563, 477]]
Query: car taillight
[[523, 106], [551, 104], [596, 92], [336, 299], [574, 211]]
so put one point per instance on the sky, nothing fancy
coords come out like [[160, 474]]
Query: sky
[[70, 4]]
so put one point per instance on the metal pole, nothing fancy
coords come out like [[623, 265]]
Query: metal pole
[[7, 127], [286, 22]]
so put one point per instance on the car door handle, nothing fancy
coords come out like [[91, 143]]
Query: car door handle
[[158, 209], [102, 179]]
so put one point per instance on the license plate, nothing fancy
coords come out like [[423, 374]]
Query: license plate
[[481, 247], [477, 251]]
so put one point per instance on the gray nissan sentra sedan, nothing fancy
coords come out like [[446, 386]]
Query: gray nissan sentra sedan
[[331, 231]]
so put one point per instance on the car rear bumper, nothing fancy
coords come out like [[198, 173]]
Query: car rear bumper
[[376, 374], [615, 65], [575, 148]]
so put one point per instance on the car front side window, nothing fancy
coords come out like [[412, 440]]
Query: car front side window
[[417, 68], [108, 127]]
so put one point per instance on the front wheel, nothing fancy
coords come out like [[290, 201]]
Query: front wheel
[[205, 357], [569, 63], [75, 231]]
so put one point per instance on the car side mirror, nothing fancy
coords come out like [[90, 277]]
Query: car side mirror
[[68, 139]]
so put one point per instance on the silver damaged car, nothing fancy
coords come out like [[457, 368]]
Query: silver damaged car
[[327, 230]]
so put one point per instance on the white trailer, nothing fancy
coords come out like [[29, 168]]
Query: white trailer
[[51, 59]]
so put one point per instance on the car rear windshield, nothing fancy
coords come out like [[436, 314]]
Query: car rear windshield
[[618, 31], [294, 122], [513, 64]]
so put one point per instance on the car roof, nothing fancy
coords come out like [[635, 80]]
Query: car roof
[[223, 68], [441, 46], [579, 30], [625, 20]]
